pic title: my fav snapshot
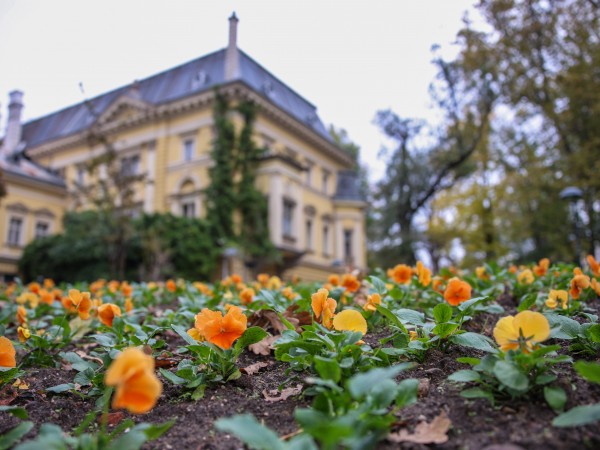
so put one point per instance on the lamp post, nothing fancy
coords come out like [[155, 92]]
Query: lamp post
[[573, 194]]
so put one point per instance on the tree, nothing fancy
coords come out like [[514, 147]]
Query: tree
[[416, 172]]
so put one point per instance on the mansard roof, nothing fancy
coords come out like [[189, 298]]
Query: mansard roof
[[177, 83]]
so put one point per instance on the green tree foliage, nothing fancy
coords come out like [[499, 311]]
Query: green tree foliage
[[236, 211], [160, 246]]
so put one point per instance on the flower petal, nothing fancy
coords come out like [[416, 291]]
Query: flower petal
[[533, 325], [350, 320], [505, 332]]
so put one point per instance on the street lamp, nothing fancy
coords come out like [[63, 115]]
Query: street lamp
[[573, 194]]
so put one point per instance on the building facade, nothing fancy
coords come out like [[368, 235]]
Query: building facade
[[162, 127]]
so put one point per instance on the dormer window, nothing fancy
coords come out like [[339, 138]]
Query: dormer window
[[200, 79]]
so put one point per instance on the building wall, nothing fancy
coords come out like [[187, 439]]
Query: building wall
[[297, 175], [38, 206]]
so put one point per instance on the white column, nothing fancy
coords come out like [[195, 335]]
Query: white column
[[339, 240], [358, 244], [151, 173], [275, 208]]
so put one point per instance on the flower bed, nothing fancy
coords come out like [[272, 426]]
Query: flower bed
[[400, 358]]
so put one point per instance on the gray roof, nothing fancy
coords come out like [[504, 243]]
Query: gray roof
[[18, 164], [187, 79]]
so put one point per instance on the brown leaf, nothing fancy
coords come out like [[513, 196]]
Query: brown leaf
[[434, 432], [271, 396], [20, 384], [254, 368], [423, 389], [7, 395], [112, 418], [264, 346]]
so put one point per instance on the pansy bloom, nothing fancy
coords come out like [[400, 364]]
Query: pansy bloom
[[542, 267], [350, 282], [524, 331], [594, 265], [457, 292], [323, 307], [350, 320], [107, 313], [578, 284], [247, 296], [525, 277], [221, 330], [79, 301], [556, 296], [372, 301], [7, 353], [424, 274], [137, 387], [402, 274]]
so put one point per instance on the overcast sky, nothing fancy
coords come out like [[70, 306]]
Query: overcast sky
[[350, 58]]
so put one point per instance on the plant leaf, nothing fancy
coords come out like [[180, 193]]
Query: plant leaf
[[556, 397], [580, 415], [246, 428]]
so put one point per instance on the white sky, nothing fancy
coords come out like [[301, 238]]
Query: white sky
[[350, 58]]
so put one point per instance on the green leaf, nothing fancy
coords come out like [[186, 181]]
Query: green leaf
[[286, 322], [555, 397], [247, 429], [172, 377], [302, 442], [389, 315], [327, 368], [527, 302], [11, 437], [569, 328], [580, 415], [511, 376], [154, 431], [61, 388], [251, 336], [407, 392], [463, 306], [464, 376], [594, 333], [468, 360], [473, 340], [477, 393], [362, 383], [183, 333], [545, 378], [410, 316], [378, 285], [7, 375], [132, 440], [442, 313], [16, 411], [588, 370], [444, 329]]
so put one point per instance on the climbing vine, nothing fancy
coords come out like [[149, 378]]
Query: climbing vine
[[232, 191]]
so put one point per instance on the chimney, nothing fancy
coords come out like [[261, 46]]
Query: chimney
[[232, 54], [13, 123]]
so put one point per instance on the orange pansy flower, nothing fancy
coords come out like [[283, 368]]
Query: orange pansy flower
[[424, 274], [21, 315], [171, 286], [350, 282], [595, 285], [107, 313], [594, 265], [46, 297], [7, 353], [137, 388], [34, 287], [578, 284], [542, 267], [438, 284], [221, 330], [128, 304], [289, 293], [263, 279], [334, 279], [247, 296], [81, 302], [372, 301], [523, 331], [323, 307], [457, 291], [402, 274], [525, 277], [23, 334]]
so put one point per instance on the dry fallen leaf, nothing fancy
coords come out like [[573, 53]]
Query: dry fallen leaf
[[7, 395], [254, 368], [20, 384], [434, 432], [270, 396], [112, 418], [423, 389], [264, 346]]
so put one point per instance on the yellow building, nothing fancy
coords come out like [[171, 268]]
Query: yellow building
[[162, 126]]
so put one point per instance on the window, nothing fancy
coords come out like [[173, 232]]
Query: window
[[41, 229], [288, 218], [326, 240], [348, 245], [325, 181], [188, 149], [80, 175], [130, 165], [309, 235], [188, 209], [309, 167], [15, 227]]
